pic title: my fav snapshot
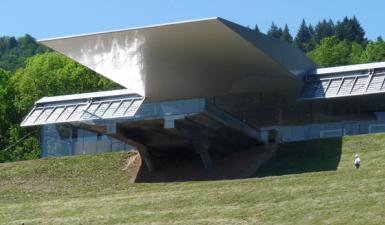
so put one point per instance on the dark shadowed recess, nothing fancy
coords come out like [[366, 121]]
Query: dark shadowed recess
[[184, 165], [303, 157]]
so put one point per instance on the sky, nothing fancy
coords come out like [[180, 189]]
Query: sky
[[50, 18]]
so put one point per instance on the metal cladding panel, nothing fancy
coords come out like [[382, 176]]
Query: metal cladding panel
[[79, 110], [345, 81], [187, 60]]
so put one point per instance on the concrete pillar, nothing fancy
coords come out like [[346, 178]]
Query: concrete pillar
[[202, 148], [143, 151]]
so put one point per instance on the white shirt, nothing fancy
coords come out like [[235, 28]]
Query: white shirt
[[357, 160]]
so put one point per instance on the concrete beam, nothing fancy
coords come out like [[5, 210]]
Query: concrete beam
[[202, 148], [142, 149], [146, 156], [169, 121]]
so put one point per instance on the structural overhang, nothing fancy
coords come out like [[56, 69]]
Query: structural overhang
[[107, 105], [190, 59], [344, 81]]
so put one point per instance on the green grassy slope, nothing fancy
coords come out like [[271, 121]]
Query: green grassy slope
[[94, 190]]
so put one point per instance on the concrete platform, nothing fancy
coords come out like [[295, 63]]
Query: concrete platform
[[185, 125]]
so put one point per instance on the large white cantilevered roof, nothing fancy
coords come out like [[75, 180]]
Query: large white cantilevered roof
[[190, 59], [83, 107], [345, 81]]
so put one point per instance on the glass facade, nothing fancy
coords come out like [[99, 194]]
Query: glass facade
[[284, 109], [62, 140], [297, 119]]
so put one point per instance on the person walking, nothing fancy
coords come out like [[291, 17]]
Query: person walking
[[357, 161]]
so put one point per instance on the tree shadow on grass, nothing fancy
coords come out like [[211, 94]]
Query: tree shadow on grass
[[303, 157]]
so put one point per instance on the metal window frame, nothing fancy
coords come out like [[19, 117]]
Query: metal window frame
[[86, 103], [343, 76]]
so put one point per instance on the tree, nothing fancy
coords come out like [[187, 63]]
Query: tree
[[29, 148], [286, 35], [5, 116], [350, 30], [13, 53], [7, 43], [374, 52], [304, 39], [52, 74], [331, 52], [45, 74], [28, 46], [356, 53], [324, 29], [256, 29], [274, 31]]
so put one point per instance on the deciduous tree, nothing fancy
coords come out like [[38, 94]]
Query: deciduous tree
[[374, 52], [331, 52]]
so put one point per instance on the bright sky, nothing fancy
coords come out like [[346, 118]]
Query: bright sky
[[50, 18]]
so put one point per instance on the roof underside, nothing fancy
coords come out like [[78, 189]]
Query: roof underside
[[345, 81], [187, 60]]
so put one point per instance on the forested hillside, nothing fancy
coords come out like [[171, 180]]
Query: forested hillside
[[333, 43], [29, 71], [14, 52]]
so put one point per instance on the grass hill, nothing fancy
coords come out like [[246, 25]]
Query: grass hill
[[312, 182]]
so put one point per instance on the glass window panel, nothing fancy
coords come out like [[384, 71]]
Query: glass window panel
[[77, 113], [102, 108], [89, 113], [112, 109], [68, 110], [133, 108], [31, 119], [123, 108], [55, 114], [44, 115]]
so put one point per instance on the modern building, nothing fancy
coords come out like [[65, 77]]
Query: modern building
[[206, 86]]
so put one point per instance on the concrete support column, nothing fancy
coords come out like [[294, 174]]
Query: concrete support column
[[143, 151], [202, 148]]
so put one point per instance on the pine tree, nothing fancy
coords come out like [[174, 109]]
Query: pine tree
[[350, 30], [341, 28], [286, 35], [304, 39], [256, 29], [274, 31], [324, 29]]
